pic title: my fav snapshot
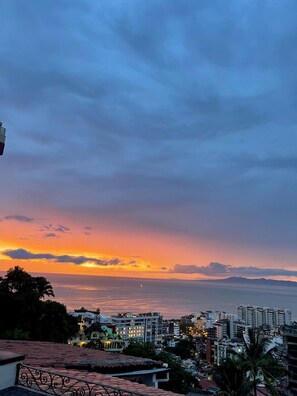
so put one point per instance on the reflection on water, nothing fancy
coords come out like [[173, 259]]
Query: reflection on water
[[172, 298], [82, 287]]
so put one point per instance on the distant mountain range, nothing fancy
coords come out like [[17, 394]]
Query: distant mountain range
[[249, 281]]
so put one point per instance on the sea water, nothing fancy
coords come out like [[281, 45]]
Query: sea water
[[172, 298]]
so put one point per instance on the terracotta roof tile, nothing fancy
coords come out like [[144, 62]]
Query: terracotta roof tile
[[61, 355], [113, 382], [76, 361]]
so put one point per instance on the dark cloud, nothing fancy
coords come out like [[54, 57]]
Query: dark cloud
[[134, 264], [218, 269], [22, 254], [55, 228], [61, 228], [177, 116], [87, 230], [50, 235], [20, 218]]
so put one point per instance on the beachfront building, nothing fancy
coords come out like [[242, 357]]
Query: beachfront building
[[144, 327], [264, 316]]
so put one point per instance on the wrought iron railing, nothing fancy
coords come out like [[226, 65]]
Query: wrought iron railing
[[54, 383]]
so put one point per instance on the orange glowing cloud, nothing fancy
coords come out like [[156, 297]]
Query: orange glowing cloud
[[60, 243]]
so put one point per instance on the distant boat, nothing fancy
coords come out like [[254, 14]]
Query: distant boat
[[2, 138]]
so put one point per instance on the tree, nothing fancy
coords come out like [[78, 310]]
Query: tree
[[43, 287], [184, 348], [260, 361], [180, 380], [141, 349], [27, 315], [54, 324], [231, 377], [94, 344], [19, 281], [241, 373]]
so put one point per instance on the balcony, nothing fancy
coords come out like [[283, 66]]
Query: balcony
[[53, 383], [46, 366]]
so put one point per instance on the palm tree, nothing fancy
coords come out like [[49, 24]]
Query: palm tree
[[240, 374], [19, 282], [230, 377], [43, 287], [260, 360]]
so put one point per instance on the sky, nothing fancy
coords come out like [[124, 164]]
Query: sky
[[149, 138]]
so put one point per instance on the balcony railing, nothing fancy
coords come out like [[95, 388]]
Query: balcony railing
[[53, 383]]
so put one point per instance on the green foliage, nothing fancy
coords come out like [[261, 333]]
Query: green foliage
[[260, 360], [54, 324], [15, 334], [140, 349], [26, 315], [94, 344], [180, 380], [18, 281], [241, 374], [186, 349], [231, 377]]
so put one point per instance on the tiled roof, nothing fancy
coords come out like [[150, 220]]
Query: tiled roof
[[115, 382], [76, 362], [48, 354]]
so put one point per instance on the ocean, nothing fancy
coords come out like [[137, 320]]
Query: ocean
[[172, 298]]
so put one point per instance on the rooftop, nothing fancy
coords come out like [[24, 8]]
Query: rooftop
[[48, 354], [86, 364]]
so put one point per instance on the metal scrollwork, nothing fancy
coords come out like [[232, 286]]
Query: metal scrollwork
[[58, 384]]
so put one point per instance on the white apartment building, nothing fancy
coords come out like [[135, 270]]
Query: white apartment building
[[206, 319], [144, 327], [171, 328], [232, 319], [221, 329], [224, 349], [260, 316]]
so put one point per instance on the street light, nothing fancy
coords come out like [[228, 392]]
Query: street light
[[2, 138]]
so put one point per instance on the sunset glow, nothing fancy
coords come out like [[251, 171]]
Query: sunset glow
[[134, 150]]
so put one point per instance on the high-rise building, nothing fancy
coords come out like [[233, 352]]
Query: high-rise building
[[171, 328], [224, 349], [260, 317], [232, 319], [290, 338], [221, 329], [264, 316], [144, 327], [240, 329]]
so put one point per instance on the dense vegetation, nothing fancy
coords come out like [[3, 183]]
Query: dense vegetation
[[26, 315], [185, 349], [240, 374], [180, 380]]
